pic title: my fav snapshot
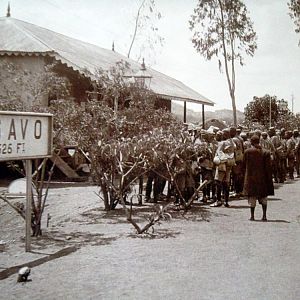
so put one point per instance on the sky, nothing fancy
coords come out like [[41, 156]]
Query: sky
[[274, 69]]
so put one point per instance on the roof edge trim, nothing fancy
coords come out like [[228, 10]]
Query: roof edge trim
[[176, 98], [24, 53]]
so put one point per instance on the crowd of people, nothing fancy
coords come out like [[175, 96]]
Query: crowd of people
[[235, 163]]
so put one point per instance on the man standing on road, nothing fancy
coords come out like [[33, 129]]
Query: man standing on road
[[225, 151], [297, 151], [238, 168], [277, 165], [290, 153], [258, 182]]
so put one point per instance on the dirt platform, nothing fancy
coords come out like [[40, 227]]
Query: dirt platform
[[207, 253]]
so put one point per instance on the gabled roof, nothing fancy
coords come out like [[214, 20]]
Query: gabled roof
[[22, 38]]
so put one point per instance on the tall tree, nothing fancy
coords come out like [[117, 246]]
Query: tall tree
[[223, 29], [263, 110], [294, 6]]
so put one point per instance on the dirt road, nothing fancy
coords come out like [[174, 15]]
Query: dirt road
[[209, 253]]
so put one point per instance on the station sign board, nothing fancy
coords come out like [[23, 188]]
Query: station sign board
[[25, 135]]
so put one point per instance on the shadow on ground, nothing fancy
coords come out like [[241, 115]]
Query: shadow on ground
[[273, 221], [12, 270], [196, 213], [274, 199], [156, 234], [61, 239], [238, 206]]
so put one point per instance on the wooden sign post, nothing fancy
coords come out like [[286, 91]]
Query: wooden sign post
[[25, 136], [28, 205]]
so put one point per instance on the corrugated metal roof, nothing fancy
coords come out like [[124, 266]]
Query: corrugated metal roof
[[22, 38]]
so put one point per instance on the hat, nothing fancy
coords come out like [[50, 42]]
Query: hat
[[190, 127], [210, 129]]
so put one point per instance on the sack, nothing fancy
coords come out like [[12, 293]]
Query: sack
[[226, 158], [217, 160], [222, 156]]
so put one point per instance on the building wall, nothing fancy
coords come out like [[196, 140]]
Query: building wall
[[24, 78], [20, 79]]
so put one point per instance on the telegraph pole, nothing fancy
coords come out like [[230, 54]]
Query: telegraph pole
[[270, 112]]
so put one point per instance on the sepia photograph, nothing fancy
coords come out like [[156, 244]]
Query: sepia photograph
[[150, 149]]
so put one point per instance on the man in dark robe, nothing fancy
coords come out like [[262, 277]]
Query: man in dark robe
[[258, 183]]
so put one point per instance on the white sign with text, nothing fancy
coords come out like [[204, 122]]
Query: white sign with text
[[25, 135]]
